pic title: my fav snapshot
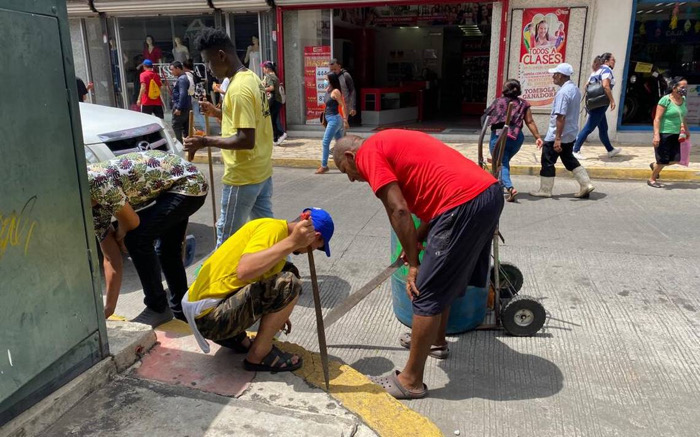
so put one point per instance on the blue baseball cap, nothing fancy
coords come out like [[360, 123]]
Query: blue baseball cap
[[148, 63], [323, 223]]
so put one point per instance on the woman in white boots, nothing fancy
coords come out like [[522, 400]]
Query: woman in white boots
[[561, 135]]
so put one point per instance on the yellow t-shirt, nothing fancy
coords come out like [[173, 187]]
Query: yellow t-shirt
[[245, 107], [217, 278]]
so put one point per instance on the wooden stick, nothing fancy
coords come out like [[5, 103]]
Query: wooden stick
[[211, 179], [190, 133], [323, 349]]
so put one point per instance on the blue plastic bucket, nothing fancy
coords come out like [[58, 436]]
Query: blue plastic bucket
[[466, 313]]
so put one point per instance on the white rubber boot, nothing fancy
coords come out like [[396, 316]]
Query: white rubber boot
[[546, 186], [584, 181]]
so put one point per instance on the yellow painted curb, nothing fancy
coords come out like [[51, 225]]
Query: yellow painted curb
[[619, 173], [379, 410]]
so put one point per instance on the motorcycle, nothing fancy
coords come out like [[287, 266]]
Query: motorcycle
[[646, 84]]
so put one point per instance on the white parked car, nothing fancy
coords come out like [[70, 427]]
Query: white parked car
[[110, 132]]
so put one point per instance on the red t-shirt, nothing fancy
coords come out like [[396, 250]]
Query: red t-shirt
[[433, 177], [145, 78], [156, 55]]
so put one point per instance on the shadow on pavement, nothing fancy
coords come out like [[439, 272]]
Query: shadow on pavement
[[292, 144], [619, 158], [374, 365], [498, 372], [680, 186]]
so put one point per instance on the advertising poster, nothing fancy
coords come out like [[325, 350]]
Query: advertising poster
[[316, 68], [693, 103], [543, 47]]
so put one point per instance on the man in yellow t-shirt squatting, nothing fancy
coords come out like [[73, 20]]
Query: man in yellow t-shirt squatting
[[247, 279], [246, 136]]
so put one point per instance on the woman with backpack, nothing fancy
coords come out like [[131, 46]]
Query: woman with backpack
[[497, 117], [597, 105], [272, 86]]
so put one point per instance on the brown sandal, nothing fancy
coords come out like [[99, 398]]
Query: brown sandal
[[322, 170], [512, 192]]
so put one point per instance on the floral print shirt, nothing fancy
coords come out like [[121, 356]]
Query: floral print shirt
[[138, 178]]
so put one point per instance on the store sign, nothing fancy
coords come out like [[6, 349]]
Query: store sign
[[543, 46], [316, 59], [465, 13]]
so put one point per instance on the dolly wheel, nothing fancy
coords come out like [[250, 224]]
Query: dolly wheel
[[511, 279], [523, 316]]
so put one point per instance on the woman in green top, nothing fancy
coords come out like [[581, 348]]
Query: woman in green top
[[668, 123]]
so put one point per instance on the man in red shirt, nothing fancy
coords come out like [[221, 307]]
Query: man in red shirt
[[458, 204], [150, 103]]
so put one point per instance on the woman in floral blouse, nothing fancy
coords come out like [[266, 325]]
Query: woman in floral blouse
[[165, 190]]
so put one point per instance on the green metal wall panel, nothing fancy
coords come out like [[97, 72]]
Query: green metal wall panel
[[50, 315]]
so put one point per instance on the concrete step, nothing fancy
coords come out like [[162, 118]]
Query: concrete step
[[131, 406]]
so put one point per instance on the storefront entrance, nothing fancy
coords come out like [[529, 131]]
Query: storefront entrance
[[423, 67], [664, 43]]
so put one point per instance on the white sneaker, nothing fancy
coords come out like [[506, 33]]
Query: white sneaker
[[281, 139], [579, 156], [614, 152]]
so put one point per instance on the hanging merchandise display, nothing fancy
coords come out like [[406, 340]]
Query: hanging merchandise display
[[316, 59], [543, 47]]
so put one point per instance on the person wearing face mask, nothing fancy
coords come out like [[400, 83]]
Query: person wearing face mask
[[335, 122], [669, 129]]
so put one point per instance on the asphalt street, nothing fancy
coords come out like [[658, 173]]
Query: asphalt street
[[618, 274]]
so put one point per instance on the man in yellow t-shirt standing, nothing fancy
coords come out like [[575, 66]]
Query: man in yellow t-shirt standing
[[246, 136], [246, 279]]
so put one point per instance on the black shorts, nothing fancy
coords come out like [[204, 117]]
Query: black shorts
[[458, 252], [156, 110], [669, 149]]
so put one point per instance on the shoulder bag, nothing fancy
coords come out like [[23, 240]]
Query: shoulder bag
[[595, 94]]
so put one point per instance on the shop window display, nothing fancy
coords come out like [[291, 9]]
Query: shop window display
[[160, 39], [441, 50], [665, 43]]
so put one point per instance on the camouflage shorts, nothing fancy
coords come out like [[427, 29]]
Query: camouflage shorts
[[246, 305]]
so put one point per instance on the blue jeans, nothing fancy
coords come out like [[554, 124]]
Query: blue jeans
[[334, 129], [596, 119], [511, 149], [240, 203]]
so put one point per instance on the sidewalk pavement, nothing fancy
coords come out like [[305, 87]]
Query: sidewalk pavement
[[159, 383], [632, 164]]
